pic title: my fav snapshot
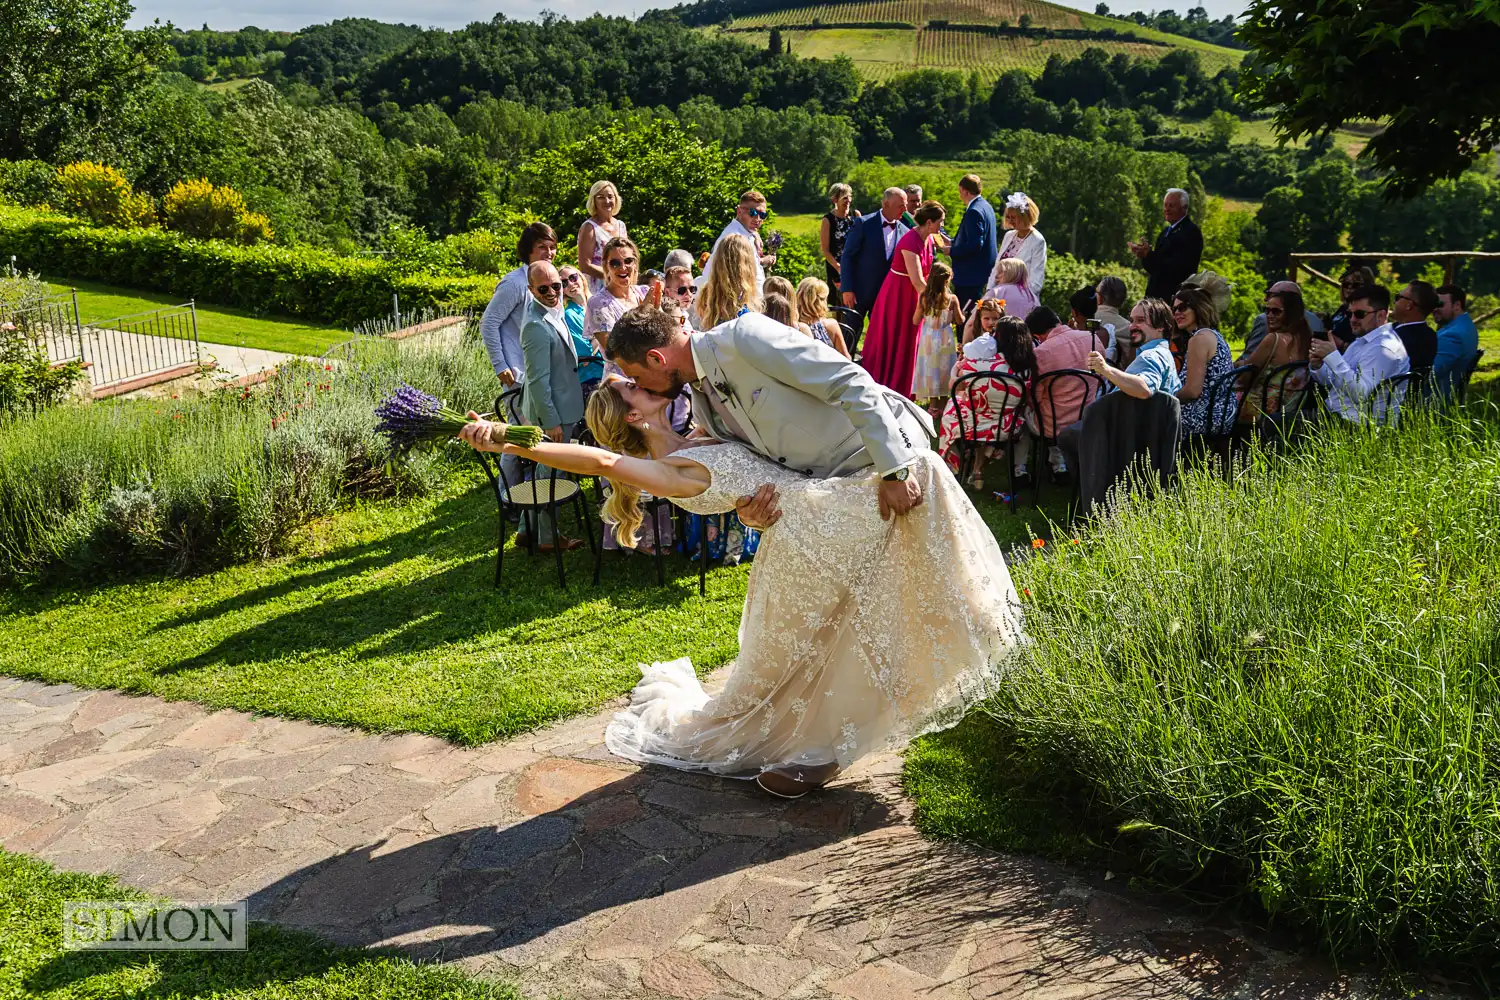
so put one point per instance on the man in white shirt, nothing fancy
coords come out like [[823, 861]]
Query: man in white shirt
[[1375, 355], [748, 218]]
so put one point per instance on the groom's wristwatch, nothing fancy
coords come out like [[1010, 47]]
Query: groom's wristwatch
[[899, 476]]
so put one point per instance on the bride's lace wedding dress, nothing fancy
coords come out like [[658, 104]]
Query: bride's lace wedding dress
[[858, 634]]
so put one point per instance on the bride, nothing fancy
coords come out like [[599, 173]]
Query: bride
[[857, 634]]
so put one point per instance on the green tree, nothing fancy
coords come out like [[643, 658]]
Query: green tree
[[1279, 224], [1316, 64], [75, 78], [1222, 128], [676, 191], [1025, 22], [1327, 188]]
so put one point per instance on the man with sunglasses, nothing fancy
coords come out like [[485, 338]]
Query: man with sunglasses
[[1375, 354], [1409, 313], [748, 218], [552, 398], [680, 288]]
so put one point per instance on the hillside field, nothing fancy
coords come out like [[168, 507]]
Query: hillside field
[[887, 37]]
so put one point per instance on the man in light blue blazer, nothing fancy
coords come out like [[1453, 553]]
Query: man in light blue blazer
[[552, 397], [975, 245]]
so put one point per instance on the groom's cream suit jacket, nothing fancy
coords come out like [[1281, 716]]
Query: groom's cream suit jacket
[[799, 402]]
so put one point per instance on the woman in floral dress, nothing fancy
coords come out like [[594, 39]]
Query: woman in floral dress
[[991, 414]]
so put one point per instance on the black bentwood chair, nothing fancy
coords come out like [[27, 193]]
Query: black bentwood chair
[[1384, 403], [1092, 386], [1461, 384], [535, 494], [1223, 400], [974, 390]]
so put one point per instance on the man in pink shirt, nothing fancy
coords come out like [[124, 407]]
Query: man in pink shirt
[[1059, 346]]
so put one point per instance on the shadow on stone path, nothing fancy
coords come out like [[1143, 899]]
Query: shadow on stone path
[[546, 861]]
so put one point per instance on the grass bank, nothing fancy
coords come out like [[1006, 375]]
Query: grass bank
[[216, 324], [279, 964], [1282, 693]]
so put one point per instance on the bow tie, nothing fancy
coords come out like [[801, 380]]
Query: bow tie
[[888, 225]]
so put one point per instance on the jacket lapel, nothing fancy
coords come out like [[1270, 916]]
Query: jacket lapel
[[713, 376]]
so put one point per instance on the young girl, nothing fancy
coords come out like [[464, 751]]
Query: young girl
[[991, 410], [937, 345], [1010, 285], [812, 309]]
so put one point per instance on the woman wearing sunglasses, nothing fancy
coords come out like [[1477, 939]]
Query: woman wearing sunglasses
[[1207, 361], [1350, 282], [621, 292], [1288, 339]]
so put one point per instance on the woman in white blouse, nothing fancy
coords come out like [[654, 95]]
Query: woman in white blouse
[[1024, 240]]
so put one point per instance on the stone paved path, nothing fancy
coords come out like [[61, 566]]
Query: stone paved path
[[545, 861]]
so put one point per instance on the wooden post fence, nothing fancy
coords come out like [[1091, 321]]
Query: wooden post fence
[[1450, 259]]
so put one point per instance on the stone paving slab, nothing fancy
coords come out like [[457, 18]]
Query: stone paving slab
[[544, 861]]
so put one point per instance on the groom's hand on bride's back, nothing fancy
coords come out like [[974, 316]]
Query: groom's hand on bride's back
[[898, 497], [761, 509]]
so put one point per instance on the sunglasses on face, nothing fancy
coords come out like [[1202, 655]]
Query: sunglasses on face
[[1348, 284], [572, 279], [685, 290], [1180, 307], [556, 287], [756, 213], [1362, 313], [623, 262], [1403, 296], [1274, 311]]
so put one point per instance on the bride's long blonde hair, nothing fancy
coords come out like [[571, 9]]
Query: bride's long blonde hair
[[605, 416]]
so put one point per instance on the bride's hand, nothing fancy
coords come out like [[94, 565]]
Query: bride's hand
[[759, 511]]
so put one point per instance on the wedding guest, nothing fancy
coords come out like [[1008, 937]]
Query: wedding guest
[[1208, 361], [1409, 313], [1025, 241], [1374, 355], [939, 315], [1178, 249], [778, 307], [777, 285], [993, 414], [621, 292], [974, 249], [598, 229], [868, 251], [1261, 324], [835, 229], [1151, 368], [913, 195], [575, 299], [681, 289], [749, 216], [1457, 340], [553, 398], [678, 258], [1060, 346], [891, 350], [731, 287], [1011, 285], [1109, 299], [812, 308], [1288, 339], [1351, 281], [500, 326]]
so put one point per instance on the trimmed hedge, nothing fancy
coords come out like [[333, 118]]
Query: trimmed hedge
[[294, 281]]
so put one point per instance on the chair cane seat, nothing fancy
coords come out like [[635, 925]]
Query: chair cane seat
[[541, 492]]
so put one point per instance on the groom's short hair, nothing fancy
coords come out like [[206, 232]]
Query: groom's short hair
[[644, 328]]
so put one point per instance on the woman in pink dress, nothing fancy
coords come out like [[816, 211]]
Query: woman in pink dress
[[890, 354]]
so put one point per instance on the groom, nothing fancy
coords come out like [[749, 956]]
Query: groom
[[786, 396]]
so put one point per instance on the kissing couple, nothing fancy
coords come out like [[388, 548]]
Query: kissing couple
[[879, 606]]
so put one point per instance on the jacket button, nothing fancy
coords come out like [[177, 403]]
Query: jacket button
[[782, 461]]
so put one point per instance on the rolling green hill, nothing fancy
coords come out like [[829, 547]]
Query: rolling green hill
[[886, 37]]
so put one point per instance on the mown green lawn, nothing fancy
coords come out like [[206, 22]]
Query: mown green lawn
[[216, 324], [279, 964], [387, 618]]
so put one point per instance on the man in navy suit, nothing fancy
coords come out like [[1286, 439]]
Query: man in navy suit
[[974, 247], [1178, 251], [867, 256]]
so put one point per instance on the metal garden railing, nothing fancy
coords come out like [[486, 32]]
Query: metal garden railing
[[50, 322], [148, 344]]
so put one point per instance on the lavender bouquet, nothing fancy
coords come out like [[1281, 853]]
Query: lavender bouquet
[[772, 241], [410, 418]]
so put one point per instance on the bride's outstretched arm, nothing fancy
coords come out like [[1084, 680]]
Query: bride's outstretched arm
[[662, 479]]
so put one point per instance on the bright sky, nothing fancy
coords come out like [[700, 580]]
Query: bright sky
[[287, 15]]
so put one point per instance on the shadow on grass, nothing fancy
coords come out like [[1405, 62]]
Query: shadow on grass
[[448, 606]]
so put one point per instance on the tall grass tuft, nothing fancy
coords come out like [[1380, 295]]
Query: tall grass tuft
[[151, 485], [1287, 687]]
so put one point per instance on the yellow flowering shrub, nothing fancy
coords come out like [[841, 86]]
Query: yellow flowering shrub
[[102, 195], [199, 208]]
